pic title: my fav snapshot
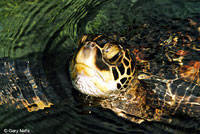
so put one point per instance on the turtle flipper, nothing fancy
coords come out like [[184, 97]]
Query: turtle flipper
[[20, 88]]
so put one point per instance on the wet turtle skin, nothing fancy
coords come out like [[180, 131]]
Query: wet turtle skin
[[166, 78]]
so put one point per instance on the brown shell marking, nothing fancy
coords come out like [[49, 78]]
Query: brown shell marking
[[182, 53], [191, 72], [139, 55]]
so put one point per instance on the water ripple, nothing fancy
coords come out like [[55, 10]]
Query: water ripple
[[48, 31]]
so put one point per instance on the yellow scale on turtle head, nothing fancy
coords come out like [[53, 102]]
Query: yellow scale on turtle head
[[101, 66]]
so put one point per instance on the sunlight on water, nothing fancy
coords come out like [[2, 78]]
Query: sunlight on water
[[46, 33]]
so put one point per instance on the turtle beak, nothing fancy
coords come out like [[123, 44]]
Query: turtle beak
[[83, 62], [84, 73]]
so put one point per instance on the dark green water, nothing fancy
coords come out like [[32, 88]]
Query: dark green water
[[47, 32]]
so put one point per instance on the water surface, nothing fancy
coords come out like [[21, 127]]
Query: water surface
[[46, 32]]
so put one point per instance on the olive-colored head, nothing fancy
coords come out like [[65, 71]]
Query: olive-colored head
[[101, 67]]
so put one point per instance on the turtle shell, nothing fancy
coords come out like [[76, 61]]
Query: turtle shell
[[168, 67], [171, 68]]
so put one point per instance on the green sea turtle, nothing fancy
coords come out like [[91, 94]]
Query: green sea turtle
[[150, 75], [139, 80]]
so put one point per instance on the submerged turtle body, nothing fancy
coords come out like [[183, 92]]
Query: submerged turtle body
[[141, 82], [24, 86]]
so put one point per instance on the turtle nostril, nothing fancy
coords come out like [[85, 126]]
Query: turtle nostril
[[92, 44], [89, 44]]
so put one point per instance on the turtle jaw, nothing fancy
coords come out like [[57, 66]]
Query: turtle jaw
[[89, 81], [89, 74]]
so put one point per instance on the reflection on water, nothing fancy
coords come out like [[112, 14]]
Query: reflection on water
[[48, 32]]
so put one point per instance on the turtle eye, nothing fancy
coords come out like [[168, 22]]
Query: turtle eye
[[112, 53], [115, 57]]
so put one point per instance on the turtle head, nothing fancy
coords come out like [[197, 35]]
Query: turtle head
[[101, 67]]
